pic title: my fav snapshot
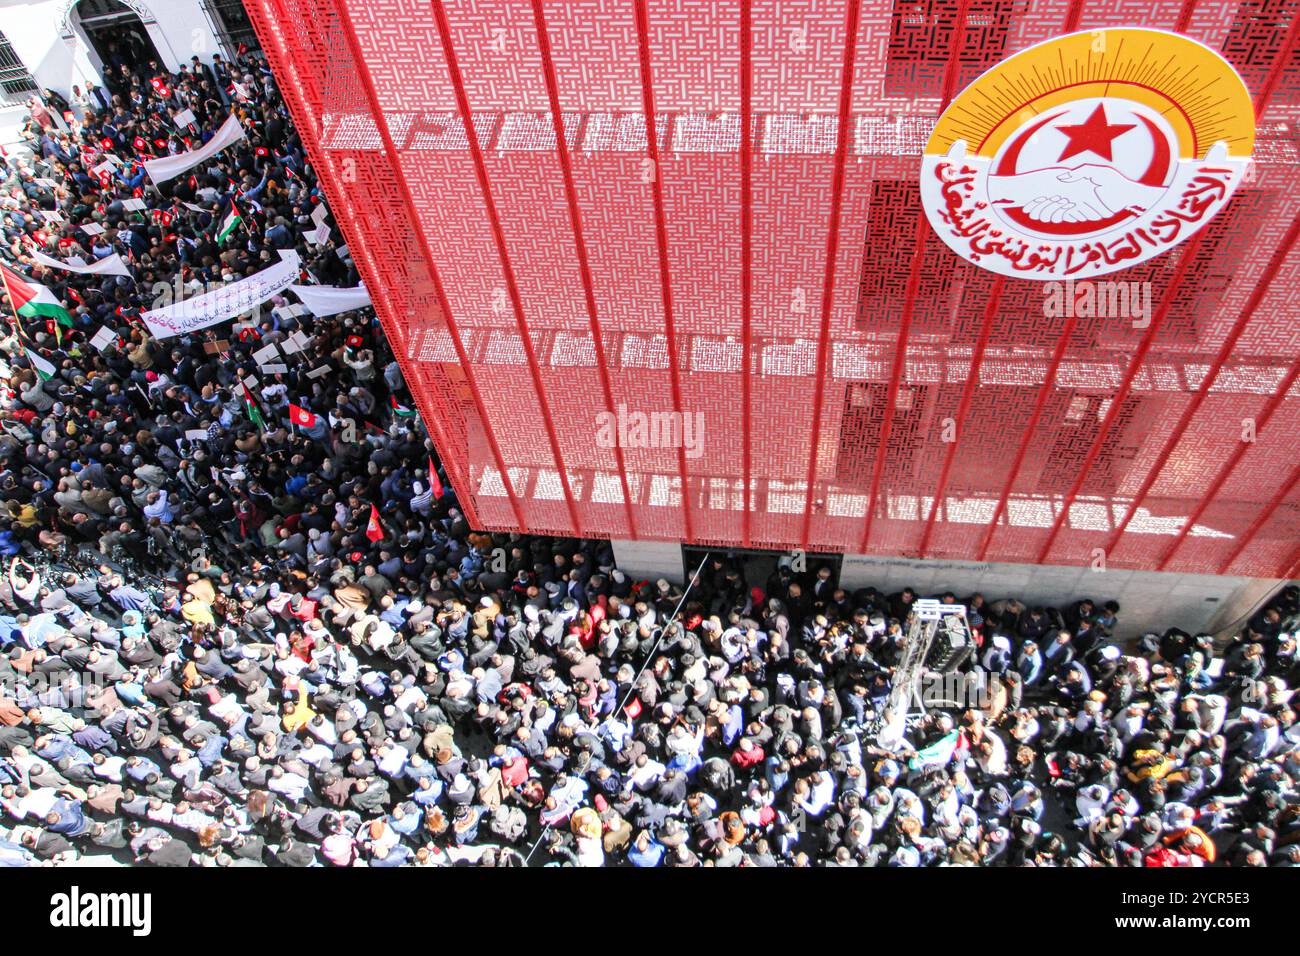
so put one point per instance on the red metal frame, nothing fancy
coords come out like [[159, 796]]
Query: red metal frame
[[1203, 391], [909, 304], [661, 242], [746, 264], [843, 133], [963, 408], [580, 244], [1228, 467], [507, 268], [770, 142], [1261, 520], [1117, 400]]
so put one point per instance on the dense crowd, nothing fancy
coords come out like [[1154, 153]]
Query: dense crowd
[[214, 653]]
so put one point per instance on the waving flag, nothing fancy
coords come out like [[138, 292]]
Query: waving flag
[[300, 416], [230, 222], [399, 409], [254, 413], [374, 530], [44, 369], [936, 755], [32, 300], [435, 483]]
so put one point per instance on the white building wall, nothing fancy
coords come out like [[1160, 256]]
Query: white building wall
[[181, 30], [1149, 600]]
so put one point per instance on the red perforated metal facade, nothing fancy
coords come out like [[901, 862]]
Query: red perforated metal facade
[[762, 259]]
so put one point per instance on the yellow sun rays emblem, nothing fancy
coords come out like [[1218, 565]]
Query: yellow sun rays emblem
[[1190, 85]]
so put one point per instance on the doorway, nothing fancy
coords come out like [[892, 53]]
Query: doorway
[[758, 566], [117, 36]]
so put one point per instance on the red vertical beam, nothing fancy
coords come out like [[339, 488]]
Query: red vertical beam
[[1044, 390], [1260, 102], [1264, 516], [746, 255], [1226, 470], [963, 407], [1073, 17], [390, 151], [1291, 569], [507, 268], [661, 240], [580, 243], [843, 134], [1275, 73], [899, 365], [266, 18], [1117, 400], [1247, 313], [1211, 376]]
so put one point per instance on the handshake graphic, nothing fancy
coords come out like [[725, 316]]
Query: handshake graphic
[[1082, 194]]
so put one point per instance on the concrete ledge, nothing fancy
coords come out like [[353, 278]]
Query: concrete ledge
[[1149, 600]]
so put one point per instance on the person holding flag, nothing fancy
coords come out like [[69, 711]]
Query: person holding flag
[[314, 426], [250, 407], [435, 483], [374, 530], [228, 225], [301, 417], [30, 300]]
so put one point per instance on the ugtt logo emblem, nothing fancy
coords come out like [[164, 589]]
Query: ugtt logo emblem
[[1087, 154]]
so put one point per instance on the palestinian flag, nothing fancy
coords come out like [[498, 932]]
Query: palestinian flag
[[230, 222], [44, 368], [435, 483], [300, 416], [32, 300], [374, 530], [936, 755], [400, 410], [250, 406]]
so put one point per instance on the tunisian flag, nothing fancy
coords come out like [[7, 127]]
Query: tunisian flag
[[300, 416], [374, 530]]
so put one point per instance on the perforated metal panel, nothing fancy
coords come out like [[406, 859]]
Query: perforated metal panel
[[761, 261]]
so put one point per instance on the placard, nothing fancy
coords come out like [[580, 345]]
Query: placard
[[103, 338]]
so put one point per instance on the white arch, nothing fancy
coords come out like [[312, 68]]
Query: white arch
[[135, 6]]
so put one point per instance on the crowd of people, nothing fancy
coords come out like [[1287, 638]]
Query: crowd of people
[[229, 639]]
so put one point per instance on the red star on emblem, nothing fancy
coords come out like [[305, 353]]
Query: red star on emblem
[[1093, 135]]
